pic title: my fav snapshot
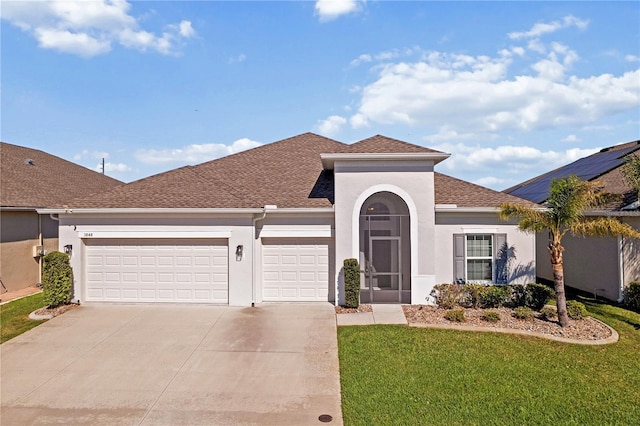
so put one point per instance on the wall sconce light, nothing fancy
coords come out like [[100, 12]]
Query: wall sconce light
[[239, 251], [68, 249]]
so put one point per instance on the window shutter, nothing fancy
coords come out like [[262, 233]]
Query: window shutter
[[502, 259], [458, 258]]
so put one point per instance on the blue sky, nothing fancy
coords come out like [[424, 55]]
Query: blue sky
[[510, 89]]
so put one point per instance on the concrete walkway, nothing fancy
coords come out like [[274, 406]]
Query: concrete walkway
[[382, 314], [175, 365], [18, 294]]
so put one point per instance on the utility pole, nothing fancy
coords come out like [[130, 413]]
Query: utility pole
[[102, 165]]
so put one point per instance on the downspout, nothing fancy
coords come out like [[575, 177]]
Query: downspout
[[620, 269], [41, 244], [253, 255]]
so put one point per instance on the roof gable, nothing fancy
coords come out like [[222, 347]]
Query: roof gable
[[33, 178], [383, 144]]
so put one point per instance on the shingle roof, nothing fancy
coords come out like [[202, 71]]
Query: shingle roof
[[383, 144], [604, 166], [287, 173], [33, 178], [450, 190]]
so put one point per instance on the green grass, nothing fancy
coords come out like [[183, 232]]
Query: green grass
[[397, 375], [14, 316]]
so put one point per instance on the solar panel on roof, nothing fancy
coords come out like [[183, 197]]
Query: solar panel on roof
[[586, 168]]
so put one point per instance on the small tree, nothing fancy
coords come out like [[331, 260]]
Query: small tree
[[564, 210], [57, 279], [351, 283]]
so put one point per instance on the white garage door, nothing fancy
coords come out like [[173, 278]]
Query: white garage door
[[157, 270], [295, 269]]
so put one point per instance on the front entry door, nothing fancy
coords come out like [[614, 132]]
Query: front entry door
[[383, 273]]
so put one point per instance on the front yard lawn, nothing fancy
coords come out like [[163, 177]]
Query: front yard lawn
[[398, 375], [14, 316]]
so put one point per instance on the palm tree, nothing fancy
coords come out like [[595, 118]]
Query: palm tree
[[562, 213]]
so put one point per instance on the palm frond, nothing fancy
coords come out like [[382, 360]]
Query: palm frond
[[602, 227], [530, 219]]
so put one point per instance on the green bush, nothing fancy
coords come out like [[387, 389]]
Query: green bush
[[523, 312], [632, 295], [491, 316], [576, 310], [548, 313], [455, 315], [472, 295], [518, 295], [351, 283], [495, 296], [449, 295], [57, 279], [537, 295]]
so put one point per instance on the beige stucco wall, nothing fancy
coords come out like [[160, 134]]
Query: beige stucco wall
[[590, 264], [355, 181], [19, 232], [593, 264], [449, 223]]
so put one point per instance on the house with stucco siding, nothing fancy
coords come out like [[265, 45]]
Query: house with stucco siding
[[275, 223]]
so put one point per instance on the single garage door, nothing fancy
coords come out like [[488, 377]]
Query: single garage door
[[157, 270], [295, 269]]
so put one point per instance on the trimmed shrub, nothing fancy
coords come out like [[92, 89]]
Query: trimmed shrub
[[449, 295], [455, 315], [57, 279], [351, 283], [548, 313], [537, 295], [632, 295], [518, 295], [576, 310], [523, 313], [491, 316], [495, 296], [472, 295]]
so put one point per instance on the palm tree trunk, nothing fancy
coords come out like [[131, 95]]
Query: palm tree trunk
[[558, 279]]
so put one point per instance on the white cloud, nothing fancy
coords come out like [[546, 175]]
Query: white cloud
[[328, 10], [492, 182], [632, 58], [194, 154], [365, 57], [475, 94], [509, 159], [112, 168], [89, 28], [331, 126], [571, 138], [543, 28], [86, 154], [237, 59]]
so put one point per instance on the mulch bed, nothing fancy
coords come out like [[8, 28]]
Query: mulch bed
[[584, 329], [55, 311], [361, 308]]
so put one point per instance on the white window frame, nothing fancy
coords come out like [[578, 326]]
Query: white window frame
[[490, 258]]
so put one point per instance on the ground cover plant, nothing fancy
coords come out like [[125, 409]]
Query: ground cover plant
[[14, 316], [414, 376]]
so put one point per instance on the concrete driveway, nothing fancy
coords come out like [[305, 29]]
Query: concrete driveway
[[175, 365]]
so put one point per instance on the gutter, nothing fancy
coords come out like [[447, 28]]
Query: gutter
[[288, 210], [255, 220]]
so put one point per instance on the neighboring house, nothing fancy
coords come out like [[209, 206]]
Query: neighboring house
[[600, 265], [31, 179], [275, 223]]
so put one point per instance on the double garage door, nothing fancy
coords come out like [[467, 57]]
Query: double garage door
[[197, 271], [157, 270]]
